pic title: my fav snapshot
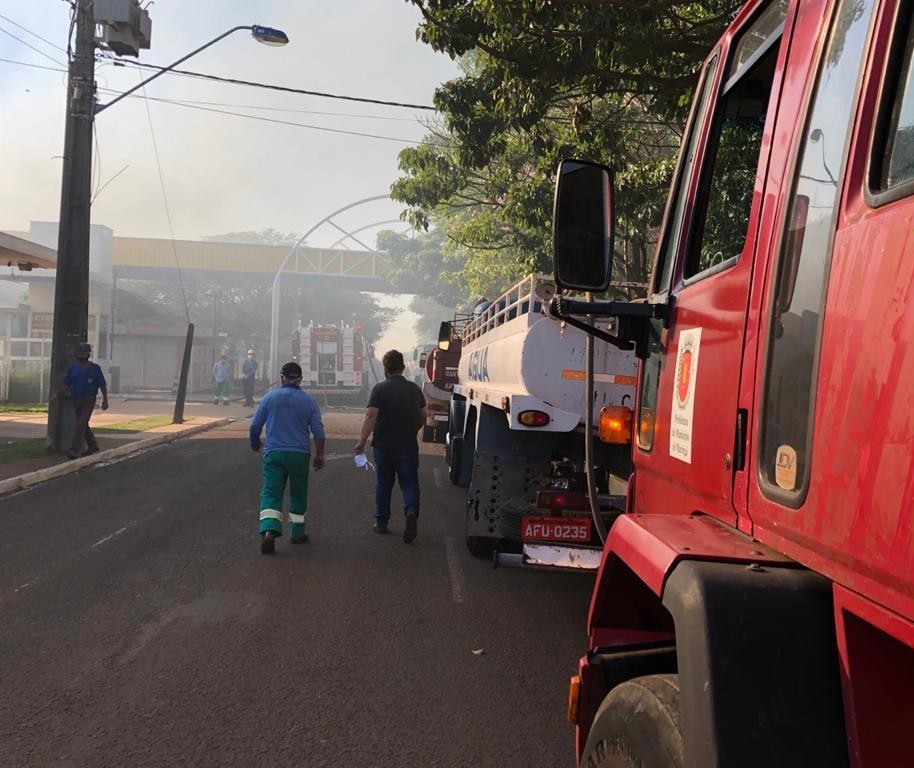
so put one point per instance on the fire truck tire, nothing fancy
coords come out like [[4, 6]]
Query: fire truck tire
[[481, 546], [637, 726]]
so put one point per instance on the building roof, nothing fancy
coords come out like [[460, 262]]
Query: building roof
[[16, 251]]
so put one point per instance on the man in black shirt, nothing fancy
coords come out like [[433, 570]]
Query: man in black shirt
[[396, 412]]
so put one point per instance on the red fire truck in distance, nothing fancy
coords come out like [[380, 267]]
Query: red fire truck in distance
[[332, 358], [755, 604]]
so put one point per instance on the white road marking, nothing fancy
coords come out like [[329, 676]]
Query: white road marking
[[107, 538], [455, 574], [438, 477], [27, 584]]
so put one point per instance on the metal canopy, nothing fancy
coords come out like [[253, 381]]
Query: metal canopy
[[18, 252]]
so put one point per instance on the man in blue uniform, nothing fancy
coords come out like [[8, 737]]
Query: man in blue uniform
[[84, 379], [248, 377], [291, 416], [396, 411], [222, 372]]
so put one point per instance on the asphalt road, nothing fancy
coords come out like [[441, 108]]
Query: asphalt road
[[140, 626]]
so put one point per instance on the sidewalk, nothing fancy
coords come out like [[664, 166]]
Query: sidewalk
[[21, 449]]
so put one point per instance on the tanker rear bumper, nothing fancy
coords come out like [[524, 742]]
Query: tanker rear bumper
[[543, 555]]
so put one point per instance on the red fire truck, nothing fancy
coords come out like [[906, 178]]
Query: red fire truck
[[332, 357], [755, 604]]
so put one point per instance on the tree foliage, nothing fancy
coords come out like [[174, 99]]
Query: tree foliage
[[543, 80]]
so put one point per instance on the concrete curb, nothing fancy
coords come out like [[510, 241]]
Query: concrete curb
[[13, 484]]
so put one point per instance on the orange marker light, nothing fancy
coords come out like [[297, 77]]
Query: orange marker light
[[574, 693], [616, 424]]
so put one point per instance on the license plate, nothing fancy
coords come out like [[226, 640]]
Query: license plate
[[573, 529]]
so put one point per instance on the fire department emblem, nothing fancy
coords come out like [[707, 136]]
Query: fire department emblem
[[684, 373]]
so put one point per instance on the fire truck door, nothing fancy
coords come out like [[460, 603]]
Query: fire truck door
[[326, 363], [689, 412]]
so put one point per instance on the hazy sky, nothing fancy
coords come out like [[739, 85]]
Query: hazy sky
[[223, 173]]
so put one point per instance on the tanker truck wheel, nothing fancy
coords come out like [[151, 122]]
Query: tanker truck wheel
[[637, 726], [481, 546]]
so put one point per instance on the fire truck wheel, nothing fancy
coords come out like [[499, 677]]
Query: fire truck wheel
[[637, 726], [481, 546]]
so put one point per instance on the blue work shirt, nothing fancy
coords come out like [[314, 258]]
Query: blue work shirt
[[84, 382], [248, 367], [221, 371], [291, 416]]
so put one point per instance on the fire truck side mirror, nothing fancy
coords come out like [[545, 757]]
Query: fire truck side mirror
[[582, 226], [444, 336]]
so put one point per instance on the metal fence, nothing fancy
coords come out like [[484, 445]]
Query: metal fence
[[25, 369]]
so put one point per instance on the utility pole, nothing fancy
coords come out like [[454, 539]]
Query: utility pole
[[71, 289]]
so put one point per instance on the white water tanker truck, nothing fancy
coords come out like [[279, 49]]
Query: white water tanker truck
[[517, 431]]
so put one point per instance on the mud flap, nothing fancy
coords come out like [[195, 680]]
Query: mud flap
[[758, 666], [501, 490]]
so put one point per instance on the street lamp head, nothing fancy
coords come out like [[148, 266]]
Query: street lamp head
[[269, 36]]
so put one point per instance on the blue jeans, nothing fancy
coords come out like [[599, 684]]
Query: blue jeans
[[403, 467]]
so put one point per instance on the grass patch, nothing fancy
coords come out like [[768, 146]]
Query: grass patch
[[24, 408], [134, 425], [28, 448]]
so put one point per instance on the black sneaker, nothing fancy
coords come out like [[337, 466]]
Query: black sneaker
[[268, 543], [299, 539], [90, 450], [378, 528], [409, 534]]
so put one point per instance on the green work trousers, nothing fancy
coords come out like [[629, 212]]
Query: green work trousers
[[222, 388], [279, 466]]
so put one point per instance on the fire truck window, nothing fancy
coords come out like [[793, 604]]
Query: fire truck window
[[898, 160], [804, 258], [666, 254], [733, 163], [650, 380]]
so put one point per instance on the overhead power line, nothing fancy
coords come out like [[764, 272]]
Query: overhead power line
[[33, 66], [274, 120], [223, 104], [33, 34], [29, 45], [197, 105], [271, 87]]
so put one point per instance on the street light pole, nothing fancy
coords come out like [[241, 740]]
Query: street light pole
[[71, 285], [71, 289]]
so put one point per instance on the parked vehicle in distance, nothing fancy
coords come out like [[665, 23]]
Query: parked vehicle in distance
[[332, 358]]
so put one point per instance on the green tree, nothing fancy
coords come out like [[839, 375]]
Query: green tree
[[606, 80]]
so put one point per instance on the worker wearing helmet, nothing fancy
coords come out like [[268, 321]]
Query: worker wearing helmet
[[291, 417], [248, 377], [222, 373], [83, 380]]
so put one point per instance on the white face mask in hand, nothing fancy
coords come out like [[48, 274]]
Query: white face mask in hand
[[362, 462]]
